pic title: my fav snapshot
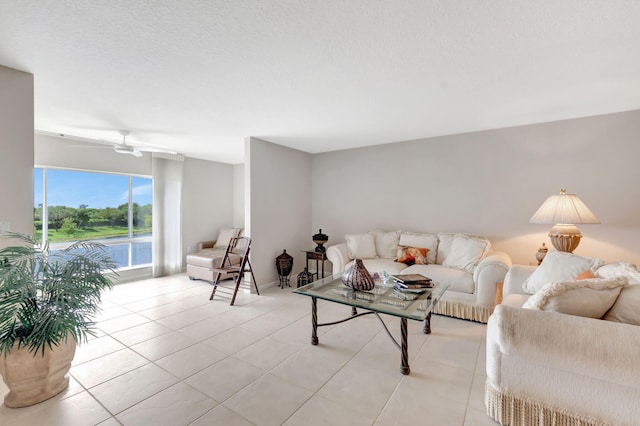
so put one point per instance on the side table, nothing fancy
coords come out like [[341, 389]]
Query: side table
[[320, 258]]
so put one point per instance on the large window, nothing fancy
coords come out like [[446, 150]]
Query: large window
[[112, 209]]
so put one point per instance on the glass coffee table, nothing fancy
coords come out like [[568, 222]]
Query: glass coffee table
[[383, 299]]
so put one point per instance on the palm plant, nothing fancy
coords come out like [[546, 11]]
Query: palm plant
[[47, 296]]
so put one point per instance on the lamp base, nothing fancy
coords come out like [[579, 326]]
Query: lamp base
[[565, 237]]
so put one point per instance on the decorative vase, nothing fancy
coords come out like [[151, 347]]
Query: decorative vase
[[305, 277], [320, 239], [542, 252], [357, 277], [33, 378], [284, 265]]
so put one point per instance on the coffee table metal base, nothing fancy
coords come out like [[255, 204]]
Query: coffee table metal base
[[402, 346]]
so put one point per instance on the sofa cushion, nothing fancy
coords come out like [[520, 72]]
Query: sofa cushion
[[211, 258], [429, 241], [444, 247], [559, 266], [380, 265], [361, 246], [412, 255], [590, 298], [625, 269], [225, 235], [457, 279], [466, 252], [626, 309], [386, 243]]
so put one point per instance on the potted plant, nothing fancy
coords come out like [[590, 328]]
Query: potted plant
[[47, 302]]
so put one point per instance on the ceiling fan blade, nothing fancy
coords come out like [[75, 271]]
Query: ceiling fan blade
[[127, 149]]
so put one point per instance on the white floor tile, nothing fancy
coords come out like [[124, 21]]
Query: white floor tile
[[79, 410], [191, 360], [225, 378], [130, 388], [221, 415], [100, 370], [163, 345], [177, 405], [268, 401]]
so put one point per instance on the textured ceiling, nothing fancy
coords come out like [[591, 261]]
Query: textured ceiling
[[198, 77]]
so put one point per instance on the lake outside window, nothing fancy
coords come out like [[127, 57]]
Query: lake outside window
[[115, 210]]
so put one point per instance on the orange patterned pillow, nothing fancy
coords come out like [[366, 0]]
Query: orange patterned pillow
[[586, 275], [412, 255]]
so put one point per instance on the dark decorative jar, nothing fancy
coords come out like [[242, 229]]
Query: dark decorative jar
[[320, 239], [284, 265], [542, 252], [305, 277], [357, 277]]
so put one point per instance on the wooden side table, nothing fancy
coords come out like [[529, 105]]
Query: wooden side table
[[320, 258]]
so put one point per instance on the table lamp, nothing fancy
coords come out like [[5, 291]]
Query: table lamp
[[564, 211]]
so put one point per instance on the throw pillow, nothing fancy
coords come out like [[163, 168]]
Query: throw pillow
[[559, 266], [628, 270], [586, 298], [626, 309], [586, 275], [412, 255], [386, 243], [225, 235], [361, 246], [429, 241], [466, 252]]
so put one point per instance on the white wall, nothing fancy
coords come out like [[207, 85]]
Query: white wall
[[490, 183], [207, 201], [238, 196], [16, 150], [277, 205]]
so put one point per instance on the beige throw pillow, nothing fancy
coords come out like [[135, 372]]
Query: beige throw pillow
[[361, 246], [559, 266], [386, 243], [627, 306], [466, 252], [628, 270], [225, 235], [585, 298]]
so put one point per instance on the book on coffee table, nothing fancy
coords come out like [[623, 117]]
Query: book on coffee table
[[411, 279]]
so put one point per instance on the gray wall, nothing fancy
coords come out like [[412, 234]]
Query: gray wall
[[490, 183], [206, 201], [277, 205], [16, 145]]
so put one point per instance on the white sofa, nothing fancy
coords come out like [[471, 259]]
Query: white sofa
[[465, 262], [546, 367]]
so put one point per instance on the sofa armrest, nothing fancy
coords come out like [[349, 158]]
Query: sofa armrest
[[206, 244], [514, 279], [596, 348], [491, 270], [338, 256]]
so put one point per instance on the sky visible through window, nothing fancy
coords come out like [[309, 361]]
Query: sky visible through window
[[96, 190]]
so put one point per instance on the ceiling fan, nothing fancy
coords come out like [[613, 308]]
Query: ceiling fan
[[123, 148]]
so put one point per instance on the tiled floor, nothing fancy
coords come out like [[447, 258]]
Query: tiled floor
[[166, 355]]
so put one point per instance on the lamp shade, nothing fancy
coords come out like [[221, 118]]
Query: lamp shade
[[565, 209]]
